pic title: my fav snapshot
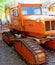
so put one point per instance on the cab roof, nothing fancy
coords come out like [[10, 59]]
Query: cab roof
[[31, 4], [26, 5]]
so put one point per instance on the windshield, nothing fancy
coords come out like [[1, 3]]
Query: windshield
[[31, 10]]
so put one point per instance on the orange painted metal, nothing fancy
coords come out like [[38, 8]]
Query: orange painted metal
[[24, 52], [31, 5], [5, 38], [50, 44], [30, 51], [23, 24], [8, 38]]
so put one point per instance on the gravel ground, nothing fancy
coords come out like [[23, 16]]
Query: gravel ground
[[9, 57]]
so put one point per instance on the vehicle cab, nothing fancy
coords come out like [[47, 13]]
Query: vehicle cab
[[28, 18]]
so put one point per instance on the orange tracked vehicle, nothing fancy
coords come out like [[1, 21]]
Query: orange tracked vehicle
[[28, 29]]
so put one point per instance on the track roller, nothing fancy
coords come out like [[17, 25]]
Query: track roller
[[30, 51], [8, 37]]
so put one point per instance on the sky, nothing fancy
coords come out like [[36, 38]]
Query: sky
[[32, 1]]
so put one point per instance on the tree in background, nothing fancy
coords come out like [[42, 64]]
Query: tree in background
[[4, 4]]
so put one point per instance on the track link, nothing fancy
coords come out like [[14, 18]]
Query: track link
[[35, 49], [8, 37]]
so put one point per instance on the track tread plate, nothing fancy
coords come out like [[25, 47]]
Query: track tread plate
[[33, 47]]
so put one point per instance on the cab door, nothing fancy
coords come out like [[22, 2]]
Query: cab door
[[15, 19]]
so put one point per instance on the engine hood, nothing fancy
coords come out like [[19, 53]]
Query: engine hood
[[41, 17]]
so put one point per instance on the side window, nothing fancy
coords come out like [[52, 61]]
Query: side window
[[15, 12]]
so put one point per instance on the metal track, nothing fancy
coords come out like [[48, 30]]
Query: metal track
[[35, 49], [32, 46], [8, 37]]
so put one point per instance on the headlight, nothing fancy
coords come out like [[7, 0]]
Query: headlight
[[38, 20]]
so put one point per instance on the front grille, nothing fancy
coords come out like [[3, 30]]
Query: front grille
[[47, 25], [53, 25]]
